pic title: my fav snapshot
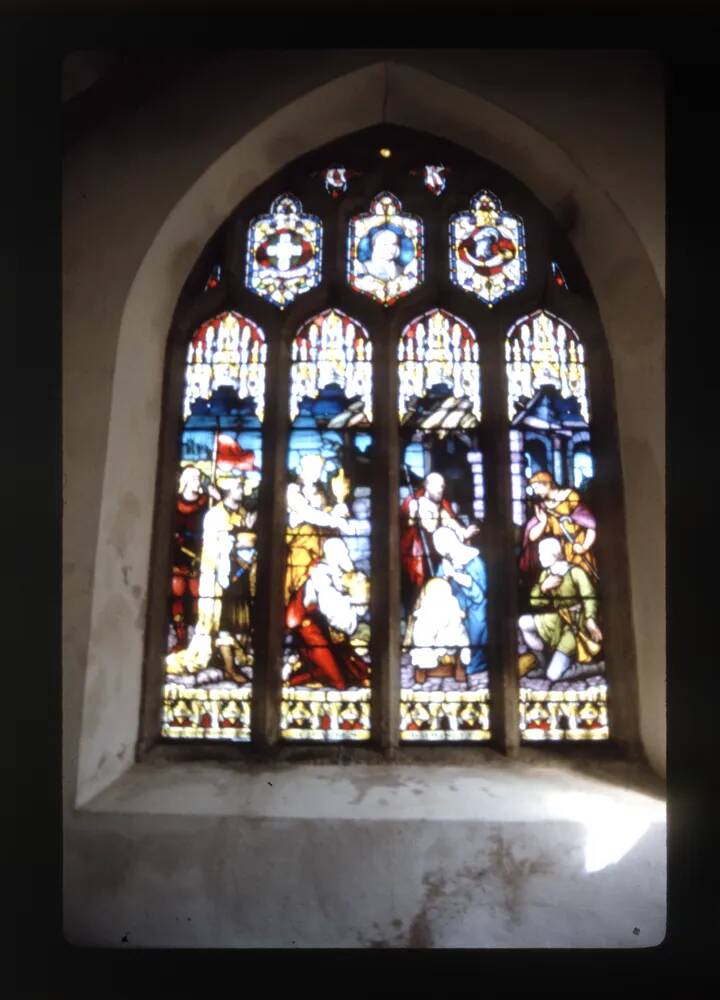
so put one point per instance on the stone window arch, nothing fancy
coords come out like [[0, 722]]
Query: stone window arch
[[201, 300]]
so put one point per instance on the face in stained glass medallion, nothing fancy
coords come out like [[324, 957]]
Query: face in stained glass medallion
[[385, 251]]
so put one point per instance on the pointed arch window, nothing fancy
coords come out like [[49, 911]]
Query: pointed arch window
[[378, 434]]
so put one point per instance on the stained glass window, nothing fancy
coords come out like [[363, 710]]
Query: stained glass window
[[557, 275], [385, 251], [326, 659], [435, 179], [336, 180], [284, 252], [290, 649], [487, 250], [214, 278], [210, 656], [443, 661], [563, 691]]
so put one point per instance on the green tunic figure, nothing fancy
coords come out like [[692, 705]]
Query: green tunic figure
[[565, 606]]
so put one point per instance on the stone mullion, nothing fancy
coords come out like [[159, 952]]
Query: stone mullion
[[499, 544], [385, 592], [269, 609]]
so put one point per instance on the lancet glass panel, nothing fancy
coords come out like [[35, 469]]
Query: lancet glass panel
[[326, 657], [444, 636], [563, 690], [210, 652]]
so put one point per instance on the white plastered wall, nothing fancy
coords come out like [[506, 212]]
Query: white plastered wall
[[140, 203]]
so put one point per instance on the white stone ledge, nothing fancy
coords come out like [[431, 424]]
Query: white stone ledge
[[492, 791]]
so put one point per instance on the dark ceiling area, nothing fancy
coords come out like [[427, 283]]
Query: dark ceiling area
[[99, 84]]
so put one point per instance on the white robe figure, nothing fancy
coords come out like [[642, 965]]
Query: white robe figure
[[437, 627]]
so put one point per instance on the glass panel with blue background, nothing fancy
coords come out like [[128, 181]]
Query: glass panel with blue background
[[326, 659], [443, 662], [385, 251], [210, 655], [563, 690]]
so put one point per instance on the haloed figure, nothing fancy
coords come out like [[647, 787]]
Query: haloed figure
[[436, 632], [384, 251]]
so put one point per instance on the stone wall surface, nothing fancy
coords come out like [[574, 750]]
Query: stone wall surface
[[141, 198]]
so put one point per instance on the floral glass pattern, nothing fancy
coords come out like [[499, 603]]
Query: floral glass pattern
[[557, 276], [336, 180], [487, 250]]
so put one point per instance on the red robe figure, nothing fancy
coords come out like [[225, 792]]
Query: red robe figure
[[322, 618], [420, 516], [191, 506]]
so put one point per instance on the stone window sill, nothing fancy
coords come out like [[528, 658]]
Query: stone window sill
[[492, 789]]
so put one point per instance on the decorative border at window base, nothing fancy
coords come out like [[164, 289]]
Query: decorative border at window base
[[193, 713], [428, 712], [564, 715], [325, 716]]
